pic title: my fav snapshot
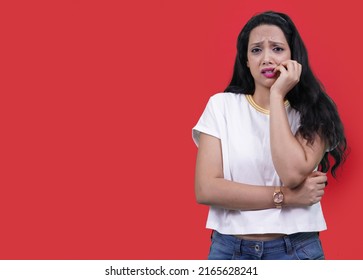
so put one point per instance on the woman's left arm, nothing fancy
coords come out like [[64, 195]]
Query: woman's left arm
[[293, 157]]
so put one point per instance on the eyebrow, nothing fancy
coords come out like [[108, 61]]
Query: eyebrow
[[271, 42]]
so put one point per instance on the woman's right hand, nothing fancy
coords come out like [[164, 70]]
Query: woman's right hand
[[309, 192]]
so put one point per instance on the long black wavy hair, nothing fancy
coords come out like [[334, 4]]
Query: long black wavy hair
[[318, 112]]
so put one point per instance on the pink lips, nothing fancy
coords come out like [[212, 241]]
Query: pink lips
[[268, 72]]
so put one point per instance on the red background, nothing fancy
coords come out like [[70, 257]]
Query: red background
[[97, 103]]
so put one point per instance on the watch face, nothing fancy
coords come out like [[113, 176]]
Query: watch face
[[278, 197]]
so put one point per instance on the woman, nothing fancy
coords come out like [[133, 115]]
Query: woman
[[260, 145]]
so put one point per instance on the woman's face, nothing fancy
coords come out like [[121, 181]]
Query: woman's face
[[267, 48]]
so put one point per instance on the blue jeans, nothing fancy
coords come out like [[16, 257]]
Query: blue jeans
[[297, 246]]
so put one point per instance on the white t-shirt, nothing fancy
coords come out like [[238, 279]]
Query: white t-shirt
[[244, 131]]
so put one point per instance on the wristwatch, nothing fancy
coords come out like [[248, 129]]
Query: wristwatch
[[278, 197]]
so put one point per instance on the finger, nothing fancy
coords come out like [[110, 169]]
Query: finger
[[299, 67], [285, 62], [320, 179], [320, 193], [321, 186], [292, 66], [289, 64], [280, 68], [323, 179], [317, 173]]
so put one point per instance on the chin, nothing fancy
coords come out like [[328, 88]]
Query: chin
[[269, 85]]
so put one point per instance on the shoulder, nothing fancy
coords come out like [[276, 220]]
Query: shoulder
[[227, 103], [226, 98]]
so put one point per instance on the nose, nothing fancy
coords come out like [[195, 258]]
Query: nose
[[267, 58]]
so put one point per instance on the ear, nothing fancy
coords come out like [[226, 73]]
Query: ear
[[248, 64]]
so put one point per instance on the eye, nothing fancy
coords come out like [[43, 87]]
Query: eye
[[278, 49], [255, 50]]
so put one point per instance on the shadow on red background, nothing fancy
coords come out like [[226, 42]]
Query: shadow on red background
[[97, 103]]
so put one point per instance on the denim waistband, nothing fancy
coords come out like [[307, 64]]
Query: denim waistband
[[256, 247]]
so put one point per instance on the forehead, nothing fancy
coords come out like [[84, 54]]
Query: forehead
[[267, 33]]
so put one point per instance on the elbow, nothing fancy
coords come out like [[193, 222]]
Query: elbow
[[201, 194], [292, 180], [291, 183], [201, 200]]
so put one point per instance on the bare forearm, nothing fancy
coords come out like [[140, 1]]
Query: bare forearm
[[235, 196], [288, 155]]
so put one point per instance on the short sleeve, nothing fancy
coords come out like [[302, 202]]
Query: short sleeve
[[209, 120]]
